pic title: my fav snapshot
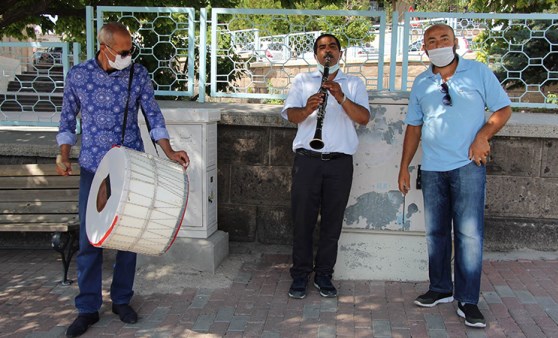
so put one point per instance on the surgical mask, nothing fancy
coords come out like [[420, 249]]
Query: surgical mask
[[120, 62], [441, 57], [332, 69]]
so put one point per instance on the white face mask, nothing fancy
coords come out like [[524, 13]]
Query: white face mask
[[441, 57], [120, 62], [332, 69]]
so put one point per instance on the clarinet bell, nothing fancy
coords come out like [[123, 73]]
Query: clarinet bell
[[317, 143]]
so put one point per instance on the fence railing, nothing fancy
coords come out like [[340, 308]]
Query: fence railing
[[260, 63], [32, 81], [521, 49], [253, 54]]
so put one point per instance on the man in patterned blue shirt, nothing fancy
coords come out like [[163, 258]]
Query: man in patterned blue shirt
[[98, 89]]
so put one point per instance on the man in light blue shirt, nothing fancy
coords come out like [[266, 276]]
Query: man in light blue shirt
[[446, 114], [98, 89]]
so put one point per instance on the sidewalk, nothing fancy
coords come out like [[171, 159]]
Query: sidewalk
[[247, 297]]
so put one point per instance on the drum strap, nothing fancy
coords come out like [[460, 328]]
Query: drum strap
[[142, 111]]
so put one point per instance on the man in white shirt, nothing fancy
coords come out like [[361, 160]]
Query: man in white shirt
[[321, 180]]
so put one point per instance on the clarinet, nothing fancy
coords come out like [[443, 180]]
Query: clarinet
[[317, 142]]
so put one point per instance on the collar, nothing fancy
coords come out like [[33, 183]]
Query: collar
[[462, 65]]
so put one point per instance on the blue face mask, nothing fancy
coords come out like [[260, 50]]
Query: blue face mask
[[332, 69]]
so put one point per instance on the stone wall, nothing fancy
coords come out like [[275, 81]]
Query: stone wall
[[255, 160], [254, 164], [522, 188]]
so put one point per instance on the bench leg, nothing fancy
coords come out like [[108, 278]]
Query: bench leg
[[66, 244]]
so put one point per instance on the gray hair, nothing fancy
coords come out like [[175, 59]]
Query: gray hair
[[106, 33]]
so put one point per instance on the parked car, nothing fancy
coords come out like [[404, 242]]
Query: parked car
[[360, 52], [268, 51], [463, 46], [246, 51], [52, 55], [275, 51]]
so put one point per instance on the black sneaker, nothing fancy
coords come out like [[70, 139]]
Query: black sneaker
[[323, 283], [298, 288], [471, 313], [433, 298]]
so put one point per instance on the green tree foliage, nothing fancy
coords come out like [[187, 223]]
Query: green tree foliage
[[16, 16], [513, 6], [441, 6], [347, 28]]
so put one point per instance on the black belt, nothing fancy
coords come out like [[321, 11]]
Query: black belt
[[322, 156]]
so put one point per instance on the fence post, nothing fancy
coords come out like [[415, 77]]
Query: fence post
[[203, 55], [393, 55], [89, 31], [76, 53]]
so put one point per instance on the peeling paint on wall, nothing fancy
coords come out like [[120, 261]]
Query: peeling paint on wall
[[375, 202]]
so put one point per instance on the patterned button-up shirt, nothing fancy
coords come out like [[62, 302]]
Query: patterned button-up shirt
[[100, 97]]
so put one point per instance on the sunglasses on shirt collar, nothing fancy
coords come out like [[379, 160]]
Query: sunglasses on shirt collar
[[446, 100]]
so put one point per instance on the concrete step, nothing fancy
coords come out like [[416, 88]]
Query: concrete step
[[41, 86], [37, 76], [30, 103]]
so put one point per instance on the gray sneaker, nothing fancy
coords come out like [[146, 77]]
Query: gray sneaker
[[471, 313]]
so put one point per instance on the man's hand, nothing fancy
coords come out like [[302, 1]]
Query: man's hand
[[313, 103], [479, 150], [404, 180], [181, 157], [334, 89], [63, 165]]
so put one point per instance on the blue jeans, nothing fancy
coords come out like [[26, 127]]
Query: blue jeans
[[455, 196], [90, 263]]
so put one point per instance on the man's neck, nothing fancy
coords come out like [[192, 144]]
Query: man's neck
[[446, 72]]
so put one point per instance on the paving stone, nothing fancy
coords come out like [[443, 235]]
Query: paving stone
[[504, 291], [518, 300], [381, 328], [492, 297]]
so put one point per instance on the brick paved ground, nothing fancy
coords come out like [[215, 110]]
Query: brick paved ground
[[519, 299]]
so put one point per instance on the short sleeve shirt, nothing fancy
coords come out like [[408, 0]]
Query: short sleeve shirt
[[449, 131], [338, 131]]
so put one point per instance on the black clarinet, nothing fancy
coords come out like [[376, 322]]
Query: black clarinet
[[317, 142]]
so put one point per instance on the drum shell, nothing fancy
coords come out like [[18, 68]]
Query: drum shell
[[146, 206]]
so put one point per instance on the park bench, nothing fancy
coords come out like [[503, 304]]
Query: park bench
[[33, 197]]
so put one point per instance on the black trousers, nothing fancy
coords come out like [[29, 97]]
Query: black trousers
[[322, 187]]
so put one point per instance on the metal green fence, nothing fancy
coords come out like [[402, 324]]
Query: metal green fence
[[252, 55]]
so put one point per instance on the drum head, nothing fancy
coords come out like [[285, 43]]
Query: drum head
[[108, 189]]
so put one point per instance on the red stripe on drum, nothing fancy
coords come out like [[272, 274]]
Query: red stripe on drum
[[100, 242]]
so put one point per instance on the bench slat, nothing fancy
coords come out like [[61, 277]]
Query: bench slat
[[38, 218], [34, 170], [69, 195], [39, 182], [38, 207], [36, 227]]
